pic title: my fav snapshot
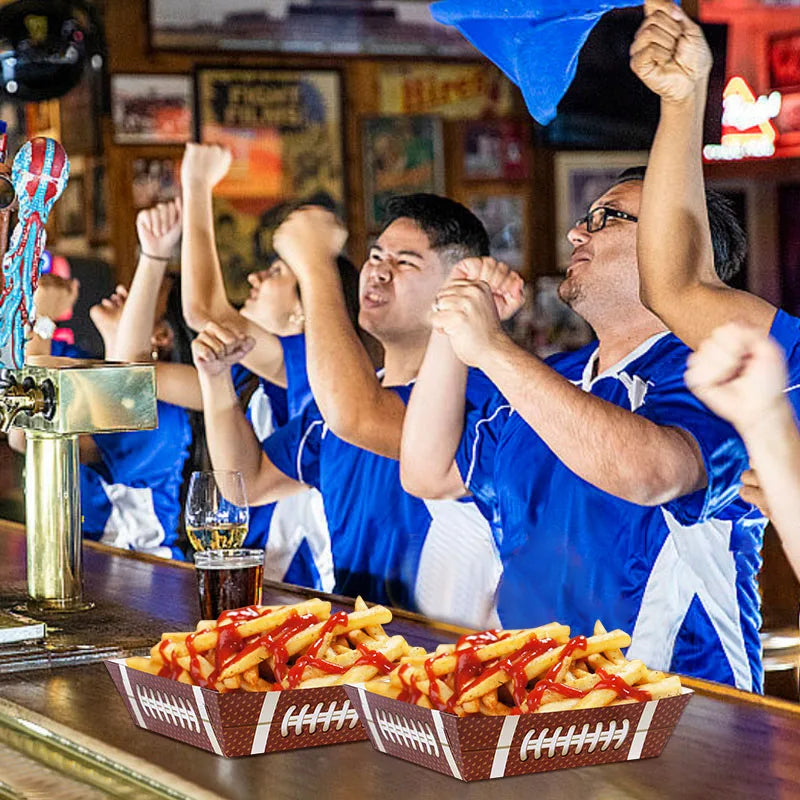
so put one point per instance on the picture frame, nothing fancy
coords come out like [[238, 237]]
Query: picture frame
[[151, 109], [495, 150], [783, 58], [580, 178], [504, 214], [384, 28], [155, 180], [284, 128], [788, 121], [401, 155]]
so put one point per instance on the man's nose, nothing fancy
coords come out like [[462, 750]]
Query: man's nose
[[578, 234]]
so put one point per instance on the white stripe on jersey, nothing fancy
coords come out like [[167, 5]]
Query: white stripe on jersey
[[302, 445], [459, 567], [694, 560], [477, 438], [297, 517], [133, 523], [259, 408]]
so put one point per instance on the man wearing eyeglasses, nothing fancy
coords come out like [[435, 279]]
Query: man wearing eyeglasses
[[613, 489]]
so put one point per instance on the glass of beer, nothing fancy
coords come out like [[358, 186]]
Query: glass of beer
[[228, 579], [217, 514]]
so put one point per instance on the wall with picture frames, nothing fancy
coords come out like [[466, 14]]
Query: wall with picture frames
[[349, 130]]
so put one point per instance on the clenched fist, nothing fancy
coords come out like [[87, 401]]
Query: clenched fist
[[507, 286], [309, 238], [217, 348], [669, 53], [205, 164]]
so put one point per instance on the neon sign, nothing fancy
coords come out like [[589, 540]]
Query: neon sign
[[746, 128]]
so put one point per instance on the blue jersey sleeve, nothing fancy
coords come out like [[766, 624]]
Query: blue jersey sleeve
[[669, 402], [786, 332], [295, 448], [486, 413], [294, 359]]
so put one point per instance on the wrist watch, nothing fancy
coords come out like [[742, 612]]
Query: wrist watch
[[44, 327]]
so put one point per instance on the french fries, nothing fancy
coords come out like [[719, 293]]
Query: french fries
[[538, 670], [270, 648]]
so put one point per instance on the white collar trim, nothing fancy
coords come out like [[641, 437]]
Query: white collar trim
[[586, 379]]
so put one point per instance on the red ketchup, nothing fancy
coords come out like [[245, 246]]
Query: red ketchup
[[535, 697], [241, 614], [339, 618], [514, 666], [171, 669], [623, 690], [275, 642], [576, 643], [410, 692], [374, 658], [295, 674]]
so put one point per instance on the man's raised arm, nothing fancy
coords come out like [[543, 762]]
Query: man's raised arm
[[678, 281], [585, 432], [435, 417], [232, 443], [347, 391]]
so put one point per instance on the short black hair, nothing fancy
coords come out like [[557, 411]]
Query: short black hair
[[448, 225], [728, 238]]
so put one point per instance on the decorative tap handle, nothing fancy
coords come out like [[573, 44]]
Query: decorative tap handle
[[39, 174]]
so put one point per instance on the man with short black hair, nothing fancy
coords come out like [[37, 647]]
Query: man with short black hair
[[390, 547]]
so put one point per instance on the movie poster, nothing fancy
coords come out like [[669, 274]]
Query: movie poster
[[284, 128], [402, 155]]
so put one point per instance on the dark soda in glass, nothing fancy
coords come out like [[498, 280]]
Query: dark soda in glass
[[228, 579]]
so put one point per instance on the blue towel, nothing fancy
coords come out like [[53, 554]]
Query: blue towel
[[535, 42]]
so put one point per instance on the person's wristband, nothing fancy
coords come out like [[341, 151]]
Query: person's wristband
[[44, 327], [165, 259]]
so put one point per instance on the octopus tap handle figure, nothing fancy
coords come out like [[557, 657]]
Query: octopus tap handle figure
[[39, 174]]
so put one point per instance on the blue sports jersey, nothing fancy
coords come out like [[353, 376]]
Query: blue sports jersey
[[131, 498], [786, 332], [390, 547], [680, 577], [293, 531]]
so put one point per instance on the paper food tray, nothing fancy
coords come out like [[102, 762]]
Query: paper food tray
[[477, 747], [236, 723]]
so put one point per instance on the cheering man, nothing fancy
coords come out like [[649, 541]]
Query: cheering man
[[390, 547]]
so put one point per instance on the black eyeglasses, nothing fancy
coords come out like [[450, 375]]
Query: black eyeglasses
[[596, 219]]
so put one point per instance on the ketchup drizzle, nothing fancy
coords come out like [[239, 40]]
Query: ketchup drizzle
[[623, 690]]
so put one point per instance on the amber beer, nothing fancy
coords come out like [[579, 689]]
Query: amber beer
[[228, 579]]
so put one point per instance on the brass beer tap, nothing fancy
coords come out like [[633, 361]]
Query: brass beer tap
[[54, 400]]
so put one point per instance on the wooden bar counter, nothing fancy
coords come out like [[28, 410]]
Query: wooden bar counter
[[71, 720]]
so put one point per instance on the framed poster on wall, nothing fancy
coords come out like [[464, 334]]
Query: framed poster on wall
[[363, 27], [504, 214], [284, 129], [151, 109], [402, 155]]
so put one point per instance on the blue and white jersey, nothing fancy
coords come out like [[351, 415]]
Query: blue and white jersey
[[131, 499], [680, 577], [786, 332], [293, 532], [437, 557]]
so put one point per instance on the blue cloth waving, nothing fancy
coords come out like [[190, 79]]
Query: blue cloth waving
[[535, 42]]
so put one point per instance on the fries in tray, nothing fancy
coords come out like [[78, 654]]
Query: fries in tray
[[536, 670], [271, 648]]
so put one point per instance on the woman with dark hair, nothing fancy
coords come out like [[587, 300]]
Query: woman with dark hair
[[293, 531]]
